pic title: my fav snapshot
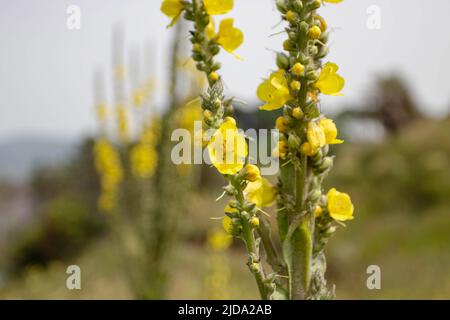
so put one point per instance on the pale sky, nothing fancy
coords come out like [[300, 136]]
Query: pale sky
[[46, 70]]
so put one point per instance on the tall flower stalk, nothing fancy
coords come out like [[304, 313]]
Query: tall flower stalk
[[306, 217]]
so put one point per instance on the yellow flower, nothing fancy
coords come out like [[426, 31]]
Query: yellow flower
[[215, 7], [261, 193], [274, 91], [329, 81], [143, 160], [340, 206], [330, 130], [122, 122], [315, 32], [107, 202], [228, 37], [218, 240], [318, 211], [297, 113], [307, 150], [316, 136], [227, 148], [252, 172], [281, 150], [138, 97], [298, 69], [172, 9], [281, 124], [227, 224], [102, 112], [109, 167], [333, 1]]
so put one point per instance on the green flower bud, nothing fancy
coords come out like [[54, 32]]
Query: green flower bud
[[281, 6], [282, 61], [294, 141], [304, 27]]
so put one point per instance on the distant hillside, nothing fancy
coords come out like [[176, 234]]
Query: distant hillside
[[19, 156]]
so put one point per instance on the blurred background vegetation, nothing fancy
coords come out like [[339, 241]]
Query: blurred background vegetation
[[399, 181]]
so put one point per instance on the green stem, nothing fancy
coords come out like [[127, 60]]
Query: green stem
[[250, 243]]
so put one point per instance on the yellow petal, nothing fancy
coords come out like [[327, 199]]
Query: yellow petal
[[215, 7], [316, 136], [229, 37], [340, 206], [329, 81], [274, 91], [228, 149], [261, 193], [330, 130]]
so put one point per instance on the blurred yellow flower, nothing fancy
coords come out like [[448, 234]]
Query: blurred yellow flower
[[109, 167], [143, 160], [102, 112], [333, 1], [274, 91], [219, 240], [227, 148], [138, 97], [340, 206], [227, 224], [216, 7], [261, 193], [122, 122], [329, 81]]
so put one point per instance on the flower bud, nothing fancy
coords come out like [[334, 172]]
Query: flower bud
[[254, 222], [288, 45], [251, 173], [315, 195], [315, 4], [281, 124], [326, 164], [314, 32], [291, 16], [295, 85], [298, 5], [297, 113], [312, 75], [304, 27], [245, 215], [208, 115], [318, 211], [213, 76], [197, 47], [217, 103], [216, 66], [282, 61], [294, 141], [281, 6], [254, 267], [298, 69]]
